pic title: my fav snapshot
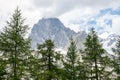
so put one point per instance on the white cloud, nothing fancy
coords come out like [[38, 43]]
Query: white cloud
[[62, 6], [5, 10], [74, 27], [116, 25], [77, 18], [66, 10]]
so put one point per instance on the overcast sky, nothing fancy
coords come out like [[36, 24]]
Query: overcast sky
[[104, 15]]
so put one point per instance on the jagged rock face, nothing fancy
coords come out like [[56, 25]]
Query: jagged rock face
[[112, 39], [50, 28], [80, 39]]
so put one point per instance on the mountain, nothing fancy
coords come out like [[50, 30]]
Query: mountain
[[80, 39], [51, 28], [108, 40]]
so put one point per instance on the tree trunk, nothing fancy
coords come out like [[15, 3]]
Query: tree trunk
[[14, 63], [49, 65], [96, 67]]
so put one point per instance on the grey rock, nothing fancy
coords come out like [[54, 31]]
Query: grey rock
[[50, 28]]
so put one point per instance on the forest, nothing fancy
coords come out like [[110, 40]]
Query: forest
[[18, 61]]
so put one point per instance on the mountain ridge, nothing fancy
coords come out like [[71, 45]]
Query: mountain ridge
[[53, 28]]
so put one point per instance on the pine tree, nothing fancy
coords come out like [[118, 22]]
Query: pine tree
[[2, 68], [46, 61], [116, 59], [94, 58], [15, 47], [72, 65]]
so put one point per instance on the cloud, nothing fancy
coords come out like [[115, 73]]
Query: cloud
[[76, 14], [60, 7], [43, 3], [109, 20], [116, 25], [6, 10], [104, 20]]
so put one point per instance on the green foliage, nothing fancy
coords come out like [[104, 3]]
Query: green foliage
[[2, 68], [15, 47], [94, 58], [18, 62], [72, 66], [116, 59], [46, 60]]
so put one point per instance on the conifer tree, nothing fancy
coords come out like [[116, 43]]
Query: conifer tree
[[72, 65], [2, 68], [46, 62], [116, 60], [15, 47], [94, 58]]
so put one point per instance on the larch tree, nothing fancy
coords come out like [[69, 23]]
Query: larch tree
[[2, 67], [15, 48], [46, 62], [116, 59], [94, 58], [72, 65]]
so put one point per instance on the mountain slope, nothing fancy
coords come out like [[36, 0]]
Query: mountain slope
[[50, 28], [108, 40], [80, 39]]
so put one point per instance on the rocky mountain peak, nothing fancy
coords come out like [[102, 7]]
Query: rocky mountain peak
[[53, 28], [50, 28]]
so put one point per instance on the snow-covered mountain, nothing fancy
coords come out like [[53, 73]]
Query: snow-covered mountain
[[108, 40], [51, 28]]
